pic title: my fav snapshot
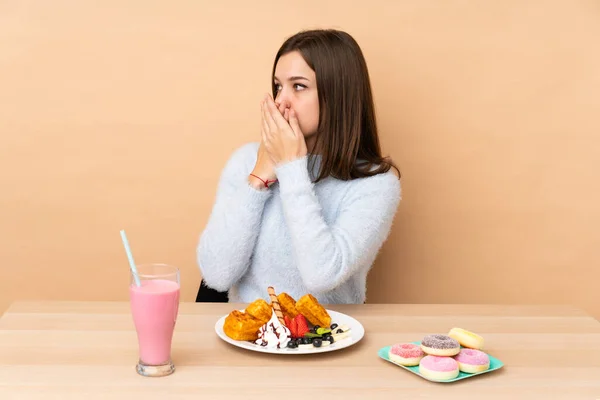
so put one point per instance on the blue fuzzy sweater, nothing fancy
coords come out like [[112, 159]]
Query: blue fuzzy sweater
[[297, 236]]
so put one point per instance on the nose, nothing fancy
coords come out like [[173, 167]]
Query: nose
[[283, 98]]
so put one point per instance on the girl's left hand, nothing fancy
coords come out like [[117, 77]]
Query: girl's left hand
[[283, 141]]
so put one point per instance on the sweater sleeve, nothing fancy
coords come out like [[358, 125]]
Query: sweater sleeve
[[327, 255], [228, 240]]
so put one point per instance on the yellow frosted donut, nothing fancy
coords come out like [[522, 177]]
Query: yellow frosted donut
[[466, 338]]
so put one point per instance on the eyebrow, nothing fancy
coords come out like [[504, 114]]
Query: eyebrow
[[294, 78]]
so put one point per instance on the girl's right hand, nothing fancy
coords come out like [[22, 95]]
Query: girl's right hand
[[264, 167]]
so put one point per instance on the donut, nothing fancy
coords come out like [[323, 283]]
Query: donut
[[472, 361], [407, 354], [466, 338], [438, 368], [440, 345]]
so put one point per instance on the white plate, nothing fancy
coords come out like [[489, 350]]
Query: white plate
[[357, 331]]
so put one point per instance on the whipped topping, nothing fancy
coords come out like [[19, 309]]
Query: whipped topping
[[273, 334]]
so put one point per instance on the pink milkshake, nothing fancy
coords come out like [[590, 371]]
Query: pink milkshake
[[154, 306]]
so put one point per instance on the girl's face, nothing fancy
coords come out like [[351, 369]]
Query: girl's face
[[296, 88]]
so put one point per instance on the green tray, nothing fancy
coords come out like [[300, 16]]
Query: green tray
[[495, 364]]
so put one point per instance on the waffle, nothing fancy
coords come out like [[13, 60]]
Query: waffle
[[260, 310], [288, 305], [241, 325], [314, 312]]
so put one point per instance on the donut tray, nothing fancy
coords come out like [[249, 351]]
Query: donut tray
[[495, 364]]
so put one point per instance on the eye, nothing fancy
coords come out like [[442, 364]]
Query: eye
[[277, 87], [299, 86]]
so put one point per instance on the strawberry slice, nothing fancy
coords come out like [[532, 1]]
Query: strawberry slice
[[301, 325], [293, 327], [287, 321]]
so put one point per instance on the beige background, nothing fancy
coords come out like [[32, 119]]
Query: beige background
[[122, 115]]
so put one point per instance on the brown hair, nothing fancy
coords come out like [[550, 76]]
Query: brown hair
[[347, 130]]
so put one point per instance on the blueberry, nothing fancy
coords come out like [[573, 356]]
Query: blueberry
[[317, 342], [333, 326], [299, 341], [329, 338], [339, 331], [305, 340], [292, 344]]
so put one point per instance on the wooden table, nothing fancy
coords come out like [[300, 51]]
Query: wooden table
[[87, 350]]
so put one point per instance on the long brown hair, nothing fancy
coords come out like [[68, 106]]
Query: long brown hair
[[347, 130]]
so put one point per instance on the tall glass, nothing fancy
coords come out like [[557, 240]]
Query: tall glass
[[154, 307]]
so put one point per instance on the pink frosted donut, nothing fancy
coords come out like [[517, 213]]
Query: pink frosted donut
[[406, 354], [472, 361], [438, 368]]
